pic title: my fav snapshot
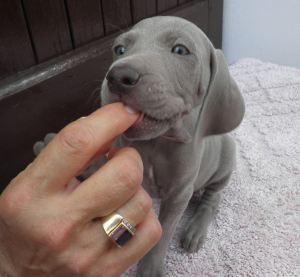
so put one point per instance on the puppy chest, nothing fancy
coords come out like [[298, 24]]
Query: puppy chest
[[149, 183]]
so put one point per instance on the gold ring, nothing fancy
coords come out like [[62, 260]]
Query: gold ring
[[118, 229]]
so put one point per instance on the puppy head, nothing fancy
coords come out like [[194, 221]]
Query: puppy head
[[164, 67]]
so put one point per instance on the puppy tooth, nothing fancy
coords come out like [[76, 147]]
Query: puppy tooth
[[130, 110], [141, 117]]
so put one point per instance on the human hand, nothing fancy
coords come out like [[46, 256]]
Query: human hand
[[49, 228]]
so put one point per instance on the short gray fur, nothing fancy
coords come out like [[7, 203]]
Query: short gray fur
[[191, 102]]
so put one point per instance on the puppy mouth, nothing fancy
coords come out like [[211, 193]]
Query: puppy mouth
[[145, 117], [147, 126], [155, 117]]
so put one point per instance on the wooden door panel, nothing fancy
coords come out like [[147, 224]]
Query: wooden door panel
[[47, 20], [163, 5], [117, 15], [215, 22], [194, 12], [183, 1], [85, 20], [16, 51], [142, 9]]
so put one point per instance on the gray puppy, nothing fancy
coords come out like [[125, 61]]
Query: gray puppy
[[166, 68]]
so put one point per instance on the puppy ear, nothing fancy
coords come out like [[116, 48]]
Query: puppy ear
[[223, 106]]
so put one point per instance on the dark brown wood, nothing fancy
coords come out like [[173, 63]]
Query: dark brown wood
[[215, 22], [163, 5], [85, 20], [194, 12], [142, 9], [71, 91], [48, 22], [117, 15], [183, 1], [16, 51]]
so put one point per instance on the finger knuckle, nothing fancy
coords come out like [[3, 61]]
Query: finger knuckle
[[144, 203], [76, 138], [15, 197], [156, 230], [55, 236], [134, 154], [7, 207], [78, 264], [111, 268], [129, 173]]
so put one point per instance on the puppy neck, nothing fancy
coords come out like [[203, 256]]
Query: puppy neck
[[186, 129]]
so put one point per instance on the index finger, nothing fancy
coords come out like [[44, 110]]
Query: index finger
[[73, 147]]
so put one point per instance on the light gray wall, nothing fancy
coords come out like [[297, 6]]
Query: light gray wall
[[265, 29]]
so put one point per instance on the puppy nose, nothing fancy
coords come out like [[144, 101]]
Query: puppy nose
[[122, 77]]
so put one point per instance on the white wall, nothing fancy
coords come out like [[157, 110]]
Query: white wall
[[265, 29]]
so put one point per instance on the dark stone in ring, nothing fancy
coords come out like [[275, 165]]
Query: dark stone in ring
[[118, 228]]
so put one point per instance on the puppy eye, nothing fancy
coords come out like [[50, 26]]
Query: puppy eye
[[119, 50], [180, 49]]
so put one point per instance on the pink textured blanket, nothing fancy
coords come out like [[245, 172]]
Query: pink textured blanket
[[257, 229]]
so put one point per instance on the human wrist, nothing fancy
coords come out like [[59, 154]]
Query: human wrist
[[6, 266], [6, 269]]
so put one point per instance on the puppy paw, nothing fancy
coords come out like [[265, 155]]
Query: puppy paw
[[40, 145], [193, 238], [151, 270]]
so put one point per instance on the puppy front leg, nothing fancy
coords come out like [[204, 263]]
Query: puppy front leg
[[171, 211]]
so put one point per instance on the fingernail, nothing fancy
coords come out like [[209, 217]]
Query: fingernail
[[130, 110]]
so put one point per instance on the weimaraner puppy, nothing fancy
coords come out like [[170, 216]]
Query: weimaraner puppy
[[167, 69]]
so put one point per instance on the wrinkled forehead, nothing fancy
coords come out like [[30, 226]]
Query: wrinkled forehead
[[161, 30]]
